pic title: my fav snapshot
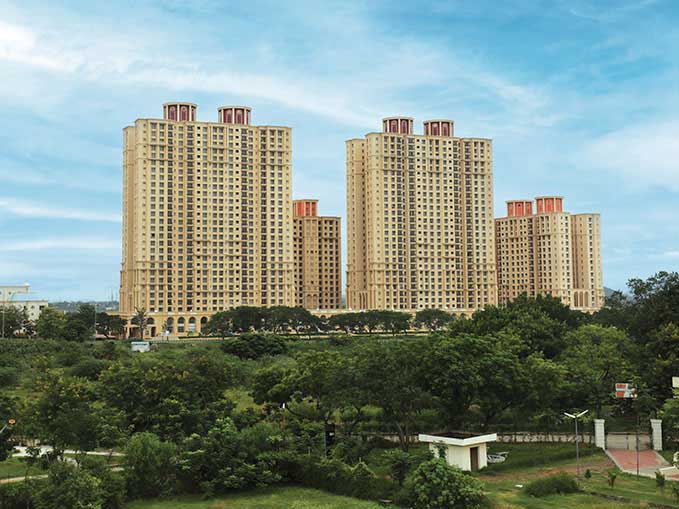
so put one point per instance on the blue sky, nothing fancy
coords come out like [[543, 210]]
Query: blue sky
[[581, 98]]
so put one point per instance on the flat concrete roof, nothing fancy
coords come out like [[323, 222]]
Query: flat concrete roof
[[459, 439]]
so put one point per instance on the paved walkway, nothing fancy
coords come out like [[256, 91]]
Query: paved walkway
[[649, 461]]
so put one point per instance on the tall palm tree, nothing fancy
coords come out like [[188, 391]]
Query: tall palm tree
[[140, 319]]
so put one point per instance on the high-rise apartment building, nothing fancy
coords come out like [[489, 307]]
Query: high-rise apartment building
[[317, 252], [420, 227], [549, 252], [207, 216]]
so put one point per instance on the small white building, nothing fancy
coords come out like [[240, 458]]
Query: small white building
[[467, 451], [16, 296]]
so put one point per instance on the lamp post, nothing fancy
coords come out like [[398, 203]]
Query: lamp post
[[575, 417]]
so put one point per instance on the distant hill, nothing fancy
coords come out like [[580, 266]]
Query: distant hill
[[608, 291], [71, 306]]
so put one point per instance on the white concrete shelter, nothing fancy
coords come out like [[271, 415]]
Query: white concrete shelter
[[467, 451]]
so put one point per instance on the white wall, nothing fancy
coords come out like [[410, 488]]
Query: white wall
[[461, 456]]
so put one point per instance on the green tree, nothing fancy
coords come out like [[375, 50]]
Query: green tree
[[16, 322], [656, 302], [172, 398], [432, 319], [669, 414], [70, 486], [390, 375], [110, 325], [394, 321], [348, 322], [254, 345], [219, 325], [140, 319], [150, 466], [247, 318], [51, 324], [228, 459], [436, 485], [63, 414], [595, 358], [399, 464]]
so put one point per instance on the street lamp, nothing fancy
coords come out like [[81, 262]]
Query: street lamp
[[575, 417]]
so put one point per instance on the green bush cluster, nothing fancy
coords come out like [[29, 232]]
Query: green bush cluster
[[254, 345], [336, 477], [552, 485]]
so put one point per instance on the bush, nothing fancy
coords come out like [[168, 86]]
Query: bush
[[8, 376], [112, 483], [89, 368], [227, 459], [70, 486], [334, 476], [151, 470], [254, 346], [437, 485], [552, 485], [19, 495]]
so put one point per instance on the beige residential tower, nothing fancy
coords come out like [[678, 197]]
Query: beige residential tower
[[207, 216], [420, 230], [317, 249], [549, 252]]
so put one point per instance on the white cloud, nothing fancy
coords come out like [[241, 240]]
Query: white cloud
[[27, 209], [644, 155], [75, 243], [361, 91]]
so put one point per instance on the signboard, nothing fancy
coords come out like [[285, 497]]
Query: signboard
[[675, 382], [140, 346], [623, 390]]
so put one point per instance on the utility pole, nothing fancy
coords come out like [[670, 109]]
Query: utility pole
[[575, 417]]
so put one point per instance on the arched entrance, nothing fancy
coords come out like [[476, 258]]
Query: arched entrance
[[180, 325]]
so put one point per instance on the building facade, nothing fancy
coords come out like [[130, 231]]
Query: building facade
[[207, 216], [317, 252], [19, 297], [420, 230], [549, 252]]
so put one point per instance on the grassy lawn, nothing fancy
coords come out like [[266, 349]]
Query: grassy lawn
[[509, 497], [631, 486], [529, 461], [14, 467], [529, 456], [273, 498]]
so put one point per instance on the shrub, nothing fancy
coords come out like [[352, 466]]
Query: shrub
[[399, 464], [660, 481], [612, 475], [89, 368], [254, 346], [334, 476], [436, 485], [70, 486], [227, 459], [552, 485], [588, 474], [150, 468], [8, 376], [112, 483], [19, 495]]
